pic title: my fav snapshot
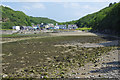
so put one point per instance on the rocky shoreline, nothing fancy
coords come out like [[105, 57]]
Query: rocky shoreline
[[62, 57]]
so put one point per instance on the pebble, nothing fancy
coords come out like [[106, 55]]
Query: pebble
[[42, 76], [95, 65], [31, 75], [10, 54], [23, 64], [22, 57], [77, 77], [26, 53], [83, 73]]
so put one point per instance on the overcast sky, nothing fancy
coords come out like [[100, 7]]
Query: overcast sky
[[60, 11]]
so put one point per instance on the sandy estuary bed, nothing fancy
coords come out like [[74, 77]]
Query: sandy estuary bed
[[66, 56]]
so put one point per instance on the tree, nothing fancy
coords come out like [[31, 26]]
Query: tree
[[110, 4]]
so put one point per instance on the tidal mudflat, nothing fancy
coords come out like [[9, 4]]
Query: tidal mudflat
[[52, 57]]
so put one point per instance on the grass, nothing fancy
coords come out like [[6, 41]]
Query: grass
[[6, 29], [84, 28], [41, 57], [22, 35]]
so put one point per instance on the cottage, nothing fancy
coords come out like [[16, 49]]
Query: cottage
[[23, 28], [26, 28], [62, 27], [29, 28], [56, 27], [16, 28], [51, 26], [42, 26], [72, 26], [38, 26], [35, 27], [47, 27]]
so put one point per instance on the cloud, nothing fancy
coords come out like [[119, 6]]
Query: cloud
[[79, 6], [60, 0], [34, 6], [6, 5], [38, 5], [71, 5], [89, 7], [82, 9]]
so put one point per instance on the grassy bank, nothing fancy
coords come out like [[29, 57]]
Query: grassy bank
[[6, 29], [84, 28]]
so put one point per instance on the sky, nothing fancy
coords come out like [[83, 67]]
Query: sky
[[60, 11]]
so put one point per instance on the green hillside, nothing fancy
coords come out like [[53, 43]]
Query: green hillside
[[11, 18], [70, 22], [18, 18], [111, 20], [38, 20], [107, 18]]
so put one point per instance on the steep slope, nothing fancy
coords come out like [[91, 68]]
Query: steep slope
[[18, 18], [38, 20], [112, 20], [69, 22], [107, 19], [11, 18]]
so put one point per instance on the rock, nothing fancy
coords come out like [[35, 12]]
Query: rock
[[62, 76], [26, 70], [42, 76], [8, 63], [78, 73], [77, 77], [31, 71], [5, 75], [31, 75], [95, 61], [22, 61], [62, 72], [23, 64], [92, 76], [83, 73], [95, 65], [10, 54], [99, 75], [22, 57]]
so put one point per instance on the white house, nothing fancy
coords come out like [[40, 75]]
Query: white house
[[56, 27], [51, 26], [72, 26], [16, 28], [35, 27], [46, 27], [62, 27]]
